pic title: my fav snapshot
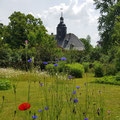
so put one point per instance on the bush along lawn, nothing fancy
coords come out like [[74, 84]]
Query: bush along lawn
[[5, 84], [54, 97], [113, 80]]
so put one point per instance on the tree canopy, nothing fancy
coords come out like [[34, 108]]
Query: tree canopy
[[24, 27], [109, 11]]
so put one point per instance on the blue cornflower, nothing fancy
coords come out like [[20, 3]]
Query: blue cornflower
[[75, 100], [77, 87], [55, 65], [46, 108], [63, 58], [57, 60], [30, 60], [74, 92], [39, 110], [34, 117], [86, 119], [45, 63], [69, 77]]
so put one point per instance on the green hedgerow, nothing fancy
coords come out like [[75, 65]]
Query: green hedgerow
[[51, 68], [75, 69], [86, 66], [98, 69], [113, 80]]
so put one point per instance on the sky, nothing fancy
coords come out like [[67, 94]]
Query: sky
[[80, 16]]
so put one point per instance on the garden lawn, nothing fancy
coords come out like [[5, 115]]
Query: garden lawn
[[95, 101]]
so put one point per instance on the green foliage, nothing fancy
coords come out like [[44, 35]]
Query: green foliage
[[113, 80], [118, 78], [61, 66], [95, 54], [118, 60], [5, 84], [110, 69], [116, 31], [87, 45], [41, 46], [75, 69], [104, 59], [24, 27], [86, 66], [98, 69], [51, 68], [109, 10], [5, 56]]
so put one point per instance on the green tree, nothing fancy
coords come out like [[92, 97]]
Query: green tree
[[24, 27], [1, 34], [86, 42], [95, 54], [109, 10], [116, 31]]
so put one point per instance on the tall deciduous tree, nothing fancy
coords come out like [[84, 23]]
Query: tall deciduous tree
[[109, 10], [1, 34], [24, 27], [116, 32]]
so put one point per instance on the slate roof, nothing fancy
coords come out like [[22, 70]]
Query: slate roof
[[70, 41], [67, 41]]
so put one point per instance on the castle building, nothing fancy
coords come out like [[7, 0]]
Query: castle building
[[67, 41]]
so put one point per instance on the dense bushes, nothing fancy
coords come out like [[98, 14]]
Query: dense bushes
[[5, 84], [110, 69], [98, 69], [114, 80], [86, 66], [51, 68], [5, 56], [75, 69], [57, 67], [117, 60]]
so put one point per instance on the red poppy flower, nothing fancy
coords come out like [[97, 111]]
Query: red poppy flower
[[24, 106]]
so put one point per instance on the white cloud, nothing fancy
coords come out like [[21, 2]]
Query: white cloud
[[79, 15]]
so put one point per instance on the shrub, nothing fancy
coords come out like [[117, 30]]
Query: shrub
[[61, 66], [110, 69], [118, 78], [75, 69], [5, 56], [118, 60], [98, 69], [5, 84], [51, 68], [86, 66], [113, 80]]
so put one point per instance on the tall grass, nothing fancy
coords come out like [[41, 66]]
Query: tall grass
[[54, 97]]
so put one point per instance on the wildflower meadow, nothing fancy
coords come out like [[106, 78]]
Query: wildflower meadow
[[60, 76], [43, 96]]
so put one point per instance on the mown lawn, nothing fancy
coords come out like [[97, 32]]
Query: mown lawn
[[95, 101]]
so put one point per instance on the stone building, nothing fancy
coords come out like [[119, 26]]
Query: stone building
[[67, 41]]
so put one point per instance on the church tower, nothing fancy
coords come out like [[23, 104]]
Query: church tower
[[61, 30]]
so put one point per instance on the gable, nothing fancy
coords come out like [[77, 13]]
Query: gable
[[71, 41]]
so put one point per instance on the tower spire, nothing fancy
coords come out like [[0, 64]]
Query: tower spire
[[61, 12], [61, 18]]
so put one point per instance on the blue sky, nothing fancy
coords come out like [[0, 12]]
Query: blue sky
[[80, 16]]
